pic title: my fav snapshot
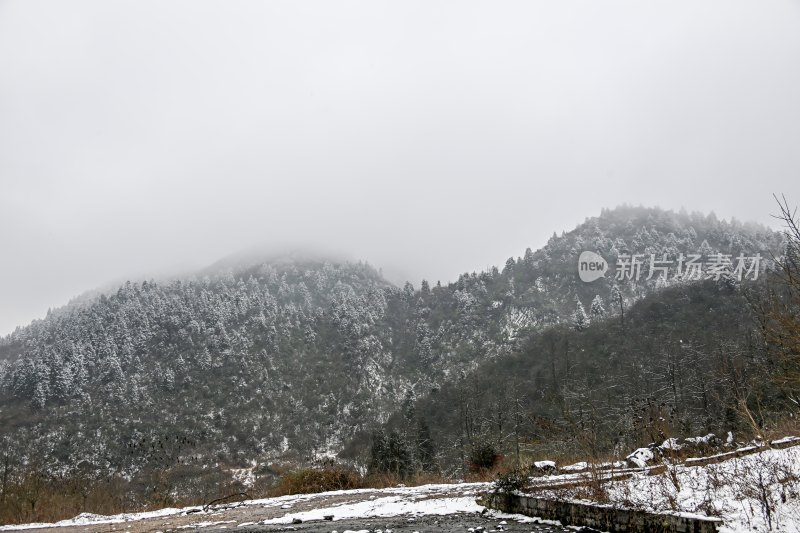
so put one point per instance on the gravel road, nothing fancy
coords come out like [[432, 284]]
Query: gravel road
[[425, 509], [459, 522]]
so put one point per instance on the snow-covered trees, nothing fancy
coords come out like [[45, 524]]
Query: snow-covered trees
[[317, 351], [40, 394], [204, 359], [618, 301], [425, 288], [580, 320], [528, 259], [597, 309]]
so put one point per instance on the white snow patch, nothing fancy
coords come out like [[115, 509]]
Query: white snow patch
[[84, 519], [641, 457], [701, 440], [386, 506], [583, 465]]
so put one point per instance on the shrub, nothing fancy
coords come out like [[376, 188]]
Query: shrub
[[483, 457], [310, 480], [511, 481]]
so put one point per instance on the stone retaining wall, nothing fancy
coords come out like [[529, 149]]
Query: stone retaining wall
[[603, 518]]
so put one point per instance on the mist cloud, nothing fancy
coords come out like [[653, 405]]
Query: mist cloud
[[148, 138]]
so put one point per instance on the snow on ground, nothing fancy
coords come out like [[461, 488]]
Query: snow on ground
[[89, 519], [577, 467], [387, 506], [758, 492], [435, 499], [641, 457]]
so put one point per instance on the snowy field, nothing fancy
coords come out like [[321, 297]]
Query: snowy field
[[427, 500], [758, 492]]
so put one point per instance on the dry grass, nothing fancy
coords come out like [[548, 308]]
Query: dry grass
[[382, 481], [781, 428], [311, 480], [50, 500], [29, 496]]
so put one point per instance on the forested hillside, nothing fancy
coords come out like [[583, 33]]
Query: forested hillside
[[684, 362], [296, 358]]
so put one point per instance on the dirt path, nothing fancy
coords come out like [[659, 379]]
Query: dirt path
[[256, 511], [402, 510]]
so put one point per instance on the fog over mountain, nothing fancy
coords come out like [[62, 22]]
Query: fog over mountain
[[271, 357], [143, 139]]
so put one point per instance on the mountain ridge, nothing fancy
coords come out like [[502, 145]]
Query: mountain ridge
[[298, 358], [256, 255]]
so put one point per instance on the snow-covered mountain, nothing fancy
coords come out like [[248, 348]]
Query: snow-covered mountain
[[296, 357]]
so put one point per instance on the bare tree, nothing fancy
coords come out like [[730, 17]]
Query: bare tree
[[780, 314]]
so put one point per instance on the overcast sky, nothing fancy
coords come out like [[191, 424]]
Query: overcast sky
[[430, 138]]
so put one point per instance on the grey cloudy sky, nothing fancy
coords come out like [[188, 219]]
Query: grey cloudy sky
[[429, 138]]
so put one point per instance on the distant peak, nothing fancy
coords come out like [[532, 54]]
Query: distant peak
[[278, 255]]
